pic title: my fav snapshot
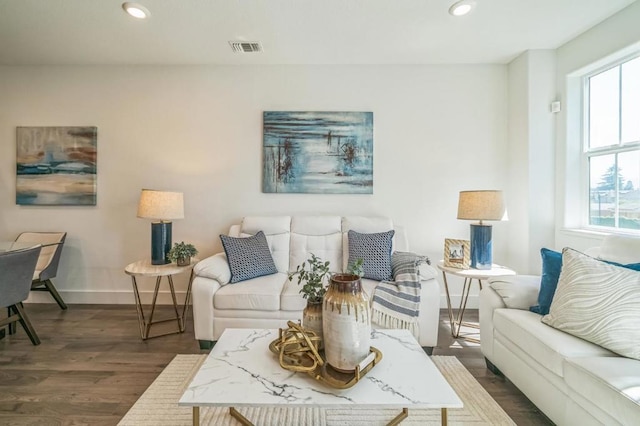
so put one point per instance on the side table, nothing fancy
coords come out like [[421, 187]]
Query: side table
[[469, 276], [144, 268]]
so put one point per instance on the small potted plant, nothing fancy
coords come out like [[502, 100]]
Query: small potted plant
[[181, 253], [314, 279], [313, 282]]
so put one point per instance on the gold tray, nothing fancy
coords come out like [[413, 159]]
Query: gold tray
[[324, 373]]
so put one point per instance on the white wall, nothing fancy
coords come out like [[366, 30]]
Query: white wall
[[531, 145], [611, 39], [198, 129]]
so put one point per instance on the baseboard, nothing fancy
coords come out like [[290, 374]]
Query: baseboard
[[125, 297], [105, 297]]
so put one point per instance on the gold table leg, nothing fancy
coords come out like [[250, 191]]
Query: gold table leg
[[196, 416], [145, 325], [239, 417], [399, 418], [443, 417], [456, 321]]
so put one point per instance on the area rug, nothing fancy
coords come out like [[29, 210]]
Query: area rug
[[158, 405]]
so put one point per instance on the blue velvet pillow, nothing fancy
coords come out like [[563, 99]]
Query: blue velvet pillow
[[375, 250], [633, 266], [551, 267], [248, 257]]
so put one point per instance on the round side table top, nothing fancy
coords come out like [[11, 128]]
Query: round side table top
[[480, 274], [144, 268]]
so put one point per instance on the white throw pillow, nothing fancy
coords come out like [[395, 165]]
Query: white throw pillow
[[597, 302]]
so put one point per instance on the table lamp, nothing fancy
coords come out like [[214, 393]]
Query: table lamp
[[481, 205], [162, 207]]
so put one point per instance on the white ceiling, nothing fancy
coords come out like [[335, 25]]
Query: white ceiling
[[291, 31]]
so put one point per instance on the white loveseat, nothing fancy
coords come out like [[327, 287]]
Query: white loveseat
[[573, 381], [272, 300]]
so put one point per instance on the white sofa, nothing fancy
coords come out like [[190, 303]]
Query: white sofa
[[270, 301], [573, 381]]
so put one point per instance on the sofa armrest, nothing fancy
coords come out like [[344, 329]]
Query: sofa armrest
[[203, 292], [426, 272], [517, 292], [215, 267]]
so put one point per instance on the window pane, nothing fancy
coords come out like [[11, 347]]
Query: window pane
[[629, 169], [604, 108], [631, 101], [602, 191]]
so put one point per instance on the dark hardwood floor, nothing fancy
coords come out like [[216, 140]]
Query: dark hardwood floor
[[92, 366]]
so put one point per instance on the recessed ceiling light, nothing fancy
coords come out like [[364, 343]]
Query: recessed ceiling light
[[136, 10], [462, 7]]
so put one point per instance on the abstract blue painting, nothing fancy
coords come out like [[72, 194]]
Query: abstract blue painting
[[318, 152], [56, 165]]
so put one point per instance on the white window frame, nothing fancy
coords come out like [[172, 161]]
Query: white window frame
[[586, 153]]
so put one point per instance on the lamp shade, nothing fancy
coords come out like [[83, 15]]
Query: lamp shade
[[161, 205], [482, 205]]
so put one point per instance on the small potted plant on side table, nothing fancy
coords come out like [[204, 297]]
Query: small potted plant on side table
[[181, 253]]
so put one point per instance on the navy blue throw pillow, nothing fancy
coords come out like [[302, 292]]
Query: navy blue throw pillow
[[633, 266], [551, 267], [248, 257], [375, 250]]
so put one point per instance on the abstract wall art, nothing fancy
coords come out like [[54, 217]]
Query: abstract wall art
[[317, 152], [56, 165]]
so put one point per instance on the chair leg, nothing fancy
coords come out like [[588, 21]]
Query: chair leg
[[55, 294], [12, 325], [26, 324]]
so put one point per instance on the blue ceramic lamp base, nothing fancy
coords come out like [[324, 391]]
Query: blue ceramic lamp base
[[160, 242], [481, 246]]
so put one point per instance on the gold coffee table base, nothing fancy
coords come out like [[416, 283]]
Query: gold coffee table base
[[239, 417]]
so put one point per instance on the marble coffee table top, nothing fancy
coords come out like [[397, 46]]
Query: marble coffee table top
[[241, 371]]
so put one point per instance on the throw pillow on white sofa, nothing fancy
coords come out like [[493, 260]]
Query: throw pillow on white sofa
[[598, 302]]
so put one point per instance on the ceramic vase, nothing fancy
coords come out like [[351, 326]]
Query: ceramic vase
[[346, 320], [184, 261], [312, 317]]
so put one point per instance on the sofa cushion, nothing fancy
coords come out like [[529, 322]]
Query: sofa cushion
[[598, 302], [620, 249], [543, 343], [248, 257], [320, 235], [551, 267], [262, 293], [290, 298], [375, 250], [612, 382], [368, 286], [277, 230]]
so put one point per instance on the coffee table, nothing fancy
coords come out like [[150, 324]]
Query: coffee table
[[241, 371]]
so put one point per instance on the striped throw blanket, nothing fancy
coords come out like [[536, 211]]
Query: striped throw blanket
[[396, 304]]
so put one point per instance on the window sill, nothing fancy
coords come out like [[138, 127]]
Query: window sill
[[597, 233]]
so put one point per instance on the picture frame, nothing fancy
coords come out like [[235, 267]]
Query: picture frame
[[457, 253], [317, 152], [56, 165]]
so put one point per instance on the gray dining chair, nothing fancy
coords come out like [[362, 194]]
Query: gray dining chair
[[47, 268], [16, 272]]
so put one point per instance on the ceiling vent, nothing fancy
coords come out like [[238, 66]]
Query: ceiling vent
[[245, 46]]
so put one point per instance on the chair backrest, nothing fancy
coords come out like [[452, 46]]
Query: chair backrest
[[52, 243], [16, 272]]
